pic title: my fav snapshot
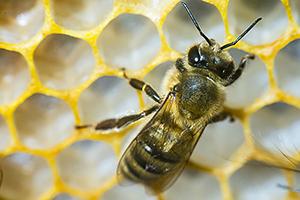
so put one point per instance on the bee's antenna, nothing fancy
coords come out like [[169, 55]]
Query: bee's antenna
[[196, 23], [242, 35]]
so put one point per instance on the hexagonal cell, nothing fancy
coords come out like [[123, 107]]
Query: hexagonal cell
[[255, 181], [25, 177], [107, 97], [129, 41], [63, 61], [242, 93], [218, 142], [43, 121], [20, 20], [14, 76], [180, 31], [81, 14], [87, 164], [276, 127], [242, 13], [4, 135], [287, 70], [295, 4], [194, 185], [65, 196], [133, 192]]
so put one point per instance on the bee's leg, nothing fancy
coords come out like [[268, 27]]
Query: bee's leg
[[141, 85], [239, 70], [179, 64], [120, 122], [222, 116]]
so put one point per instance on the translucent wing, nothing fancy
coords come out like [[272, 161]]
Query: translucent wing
[[123, 173], [159, 153]]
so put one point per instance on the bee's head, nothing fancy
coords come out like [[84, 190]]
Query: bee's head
[[212, 58], [210, 55]]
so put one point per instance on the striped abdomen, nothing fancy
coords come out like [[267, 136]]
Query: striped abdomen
[[157, 155]]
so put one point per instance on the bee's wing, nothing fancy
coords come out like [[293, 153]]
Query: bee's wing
[[166, 120], [156, 133], [165, 106], [169, 179]]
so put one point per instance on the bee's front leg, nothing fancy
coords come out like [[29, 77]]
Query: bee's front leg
[[119, 122], [141, 85], [240, 69]]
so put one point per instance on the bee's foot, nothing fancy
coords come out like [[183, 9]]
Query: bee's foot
[[123, 69]]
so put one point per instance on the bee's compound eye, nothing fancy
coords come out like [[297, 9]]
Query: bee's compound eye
[[194, 56]]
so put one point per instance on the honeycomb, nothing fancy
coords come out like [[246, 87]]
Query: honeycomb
[[60, 66]]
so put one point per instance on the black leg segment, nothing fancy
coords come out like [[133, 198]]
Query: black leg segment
[[240, 69], [141, 85]]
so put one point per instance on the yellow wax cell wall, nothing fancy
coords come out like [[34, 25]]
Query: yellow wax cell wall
[[60, 64]]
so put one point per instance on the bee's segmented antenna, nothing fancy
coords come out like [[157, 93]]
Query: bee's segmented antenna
[[195, 23], [242, 35]]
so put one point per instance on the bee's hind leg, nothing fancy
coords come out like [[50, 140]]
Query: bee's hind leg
[[141, 85], [120, 122]]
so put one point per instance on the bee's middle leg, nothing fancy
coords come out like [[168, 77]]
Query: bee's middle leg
[[120, 122], [141, 85]]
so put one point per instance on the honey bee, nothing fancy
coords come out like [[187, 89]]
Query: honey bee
[[195, 98]]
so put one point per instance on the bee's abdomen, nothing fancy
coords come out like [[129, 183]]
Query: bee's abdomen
[[146, 162]]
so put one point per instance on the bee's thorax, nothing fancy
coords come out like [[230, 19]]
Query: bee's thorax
[[199, 96]]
